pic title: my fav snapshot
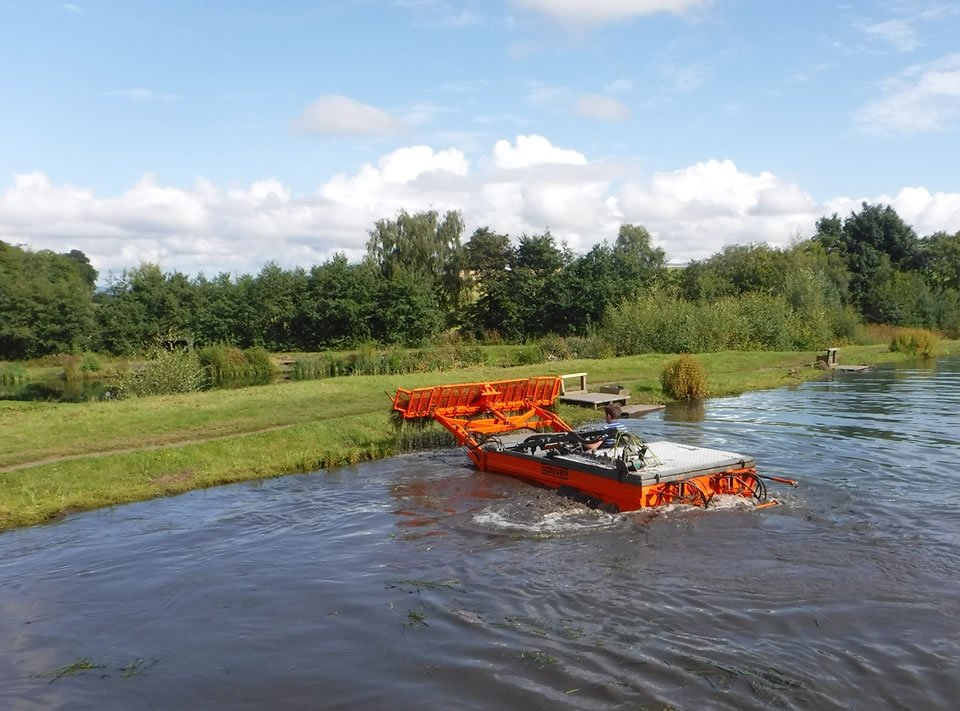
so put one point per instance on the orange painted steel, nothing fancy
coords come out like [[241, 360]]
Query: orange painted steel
[[508, 405], [472, 411]]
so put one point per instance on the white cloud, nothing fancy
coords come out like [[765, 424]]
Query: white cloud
[[440, 13], [601, 11], [920, 99], [533, 150], [141, 94], [899, 33], [926, 212], [543, 94], [419, 114], [341, 116], [597, 106], [687, 78], [70, 7], [521, 186], [393, 174], [619, 86]]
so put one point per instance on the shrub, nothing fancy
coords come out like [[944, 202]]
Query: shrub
[[165, 372], [89, 363], [11, 373], [684, 378], [71, 368], [226, 364], [81, 367], [528, 355], [471, 354], [553, 347], [915, 341]]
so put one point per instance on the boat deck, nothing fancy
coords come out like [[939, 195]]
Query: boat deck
[[594, 400], [666, 461]]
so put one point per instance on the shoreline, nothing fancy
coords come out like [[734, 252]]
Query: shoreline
[[64, 458]]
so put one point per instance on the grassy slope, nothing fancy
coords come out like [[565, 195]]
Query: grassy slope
[[139, 449]]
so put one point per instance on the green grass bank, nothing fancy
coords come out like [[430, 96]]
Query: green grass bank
[[60, 458]]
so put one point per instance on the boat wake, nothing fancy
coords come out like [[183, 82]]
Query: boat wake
[[544, 514]]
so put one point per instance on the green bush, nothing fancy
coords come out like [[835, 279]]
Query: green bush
[[90, 363], [226, 364], [684, 378], [915, 341], [554, 347], [165, 372], [528, 355], [659, 322], [81, 367]]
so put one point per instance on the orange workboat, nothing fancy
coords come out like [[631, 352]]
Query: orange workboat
[[486, 418]]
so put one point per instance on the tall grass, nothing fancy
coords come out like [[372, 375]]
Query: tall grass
[[82, 367], [915, 341], [369, 360], [227, 364], [12, 373]]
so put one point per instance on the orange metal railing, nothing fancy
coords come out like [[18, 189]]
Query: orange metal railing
[[470, 409]]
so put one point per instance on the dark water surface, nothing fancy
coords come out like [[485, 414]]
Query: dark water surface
[[418, 583]]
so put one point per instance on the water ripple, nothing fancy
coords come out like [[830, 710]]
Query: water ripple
[[416, 582]]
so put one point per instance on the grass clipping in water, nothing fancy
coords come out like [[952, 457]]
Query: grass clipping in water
[[84, 664]]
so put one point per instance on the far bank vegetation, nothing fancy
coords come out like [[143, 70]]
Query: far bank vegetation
[[425, 299]]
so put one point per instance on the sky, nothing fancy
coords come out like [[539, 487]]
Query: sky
[[218, 136]]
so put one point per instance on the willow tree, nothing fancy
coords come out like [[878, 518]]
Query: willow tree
[[426, 248]]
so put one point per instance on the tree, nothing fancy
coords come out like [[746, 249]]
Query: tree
[[540, 254], [274, 294], [46, 303], [638, 260], [576, 297], [338, 305], [407, 312], [939, 260], [874, 244], [487, 257], [424, 247]]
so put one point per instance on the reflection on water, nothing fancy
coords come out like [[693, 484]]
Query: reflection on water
[[57, 390], [685, 412], [418, 583]]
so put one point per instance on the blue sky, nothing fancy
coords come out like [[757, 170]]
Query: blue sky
[[217, 136]]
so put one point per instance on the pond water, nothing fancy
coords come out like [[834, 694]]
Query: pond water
[[417, 582]]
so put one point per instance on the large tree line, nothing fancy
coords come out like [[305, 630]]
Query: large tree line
[[421, 278]]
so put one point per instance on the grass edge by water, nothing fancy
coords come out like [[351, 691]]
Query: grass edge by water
[[48, 491]]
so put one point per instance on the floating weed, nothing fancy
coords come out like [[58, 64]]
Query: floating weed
[[137, 666], [527, 624], [618, 564], [571, 632], [720, 677], [418, 585], [83, 664], [537, 657], [415, 618], [777, 678]]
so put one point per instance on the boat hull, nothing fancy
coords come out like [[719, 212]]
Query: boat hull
[[606, 486]]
